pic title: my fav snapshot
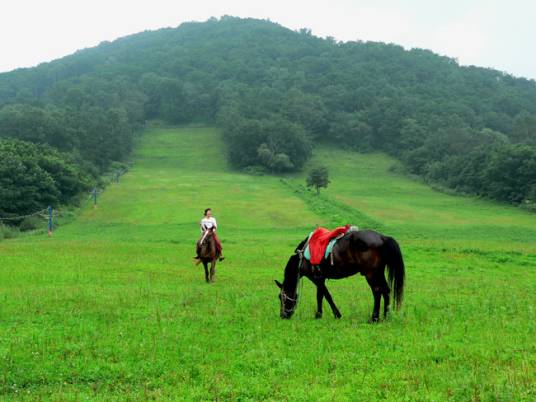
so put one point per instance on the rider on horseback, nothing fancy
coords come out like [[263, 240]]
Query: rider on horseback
[[209, 223]]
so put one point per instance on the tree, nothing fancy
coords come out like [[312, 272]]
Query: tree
[[350, 129], [511, 173], [35, 176], [318, 177]]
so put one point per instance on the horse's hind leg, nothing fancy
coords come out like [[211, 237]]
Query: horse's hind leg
[[386, 296], [375, 286], [207, 279]]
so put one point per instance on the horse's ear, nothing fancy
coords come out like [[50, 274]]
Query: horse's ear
[[279, 284]]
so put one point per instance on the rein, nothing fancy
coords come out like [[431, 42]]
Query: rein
[[204, 236]]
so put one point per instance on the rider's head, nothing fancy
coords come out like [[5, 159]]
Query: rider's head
[[208, 212]]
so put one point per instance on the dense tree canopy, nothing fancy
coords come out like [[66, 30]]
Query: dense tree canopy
[[34, 176], [275, 93]]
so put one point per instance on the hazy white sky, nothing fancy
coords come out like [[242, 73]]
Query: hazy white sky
[[489, 33]]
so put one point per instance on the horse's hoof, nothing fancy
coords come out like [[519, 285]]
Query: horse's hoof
[[338, 316], [374, 320], [318, 315]]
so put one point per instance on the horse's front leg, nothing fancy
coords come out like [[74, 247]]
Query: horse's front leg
[[212, 270], [206, 271], [328, 297], [319, 299]]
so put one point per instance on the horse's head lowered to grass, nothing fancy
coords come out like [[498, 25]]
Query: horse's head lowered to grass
[[288, 295]]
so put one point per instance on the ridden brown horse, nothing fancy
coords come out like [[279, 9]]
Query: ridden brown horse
[[365, 252], [208, 253]]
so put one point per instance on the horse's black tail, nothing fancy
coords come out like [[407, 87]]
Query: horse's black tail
[[395, 265]]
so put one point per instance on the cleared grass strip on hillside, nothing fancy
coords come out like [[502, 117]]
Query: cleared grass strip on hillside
[[335, 212]]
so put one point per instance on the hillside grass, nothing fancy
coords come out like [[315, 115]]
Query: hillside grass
[[112, 307]]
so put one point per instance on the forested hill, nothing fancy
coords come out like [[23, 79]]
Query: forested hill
[[275, 93]]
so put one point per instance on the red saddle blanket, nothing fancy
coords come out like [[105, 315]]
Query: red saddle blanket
[[319, 241]]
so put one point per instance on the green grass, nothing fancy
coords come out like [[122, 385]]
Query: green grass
[[112, 308]]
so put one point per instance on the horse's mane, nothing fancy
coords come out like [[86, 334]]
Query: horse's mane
[[291, 271]]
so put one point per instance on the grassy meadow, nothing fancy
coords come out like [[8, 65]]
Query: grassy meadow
[[111, 307]]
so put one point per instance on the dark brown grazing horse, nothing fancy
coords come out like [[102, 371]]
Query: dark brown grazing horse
[[208, 253], [365, 252]]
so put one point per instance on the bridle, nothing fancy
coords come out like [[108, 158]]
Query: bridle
[[285, 297]]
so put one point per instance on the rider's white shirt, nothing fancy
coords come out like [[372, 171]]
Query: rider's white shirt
[[207, 223]]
